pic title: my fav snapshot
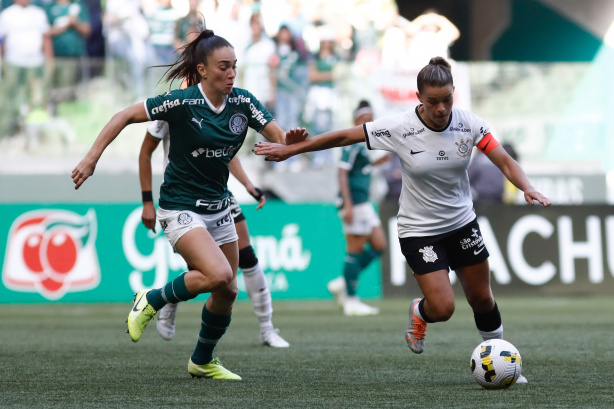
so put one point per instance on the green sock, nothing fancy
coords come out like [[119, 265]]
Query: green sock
[[367, 256], [212, 327], [351, 271], [172, 293]]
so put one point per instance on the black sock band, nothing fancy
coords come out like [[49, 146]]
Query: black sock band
[[489, 321], [424, 316]]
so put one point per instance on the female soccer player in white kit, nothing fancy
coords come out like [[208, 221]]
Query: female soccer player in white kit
[[437, 225]]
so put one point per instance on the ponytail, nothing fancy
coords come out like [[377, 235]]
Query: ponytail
[[194, 53], [436, 74]]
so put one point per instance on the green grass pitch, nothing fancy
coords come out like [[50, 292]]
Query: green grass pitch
[[79, 356]]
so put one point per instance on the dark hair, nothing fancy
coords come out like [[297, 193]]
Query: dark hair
[[363, 107], [195, 53], [292, 41], [436, 74]]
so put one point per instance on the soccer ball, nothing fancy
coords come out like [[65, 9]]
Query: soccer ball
[[496, 364]]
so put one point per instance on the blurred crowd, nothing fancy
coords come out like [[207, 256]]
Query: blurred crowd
[[290, 52]]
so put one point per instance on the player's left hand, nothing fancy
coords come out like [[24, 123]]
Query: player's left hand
[[531, 196], [257, 194], [273, 152], [296, 135]]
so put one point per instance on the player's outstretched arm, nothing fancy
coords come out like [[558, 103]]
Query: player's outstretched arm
[[514, 173], [277, 152], [85, 168], [237, 171], [148, 216]]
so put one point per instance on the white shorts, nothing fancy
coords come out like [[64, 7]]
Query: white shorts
[[363, 222], [176, 223]]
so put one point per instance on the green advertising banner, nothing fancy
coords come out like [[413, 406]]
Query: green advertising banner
[[102, 252]]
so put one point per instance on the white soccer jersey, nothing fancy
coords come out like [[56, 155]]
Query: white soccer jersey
[[435, 197], [159, 129]]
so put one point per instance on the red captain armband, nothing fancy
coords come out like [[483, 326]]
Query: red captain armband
[[487, 144]]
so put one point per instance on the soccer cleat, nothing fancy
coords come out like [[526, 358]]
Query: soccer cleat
[[140, 315], [415, 330], [521, 379], [271, 338], [353, 307], [166, 321], [337, 288], [213, 370]]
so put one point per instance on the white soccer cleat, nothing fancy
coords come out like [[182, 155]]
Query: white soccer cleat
[[353, 307], [166, 321], [521, 379], [271, 338], [337, 288]]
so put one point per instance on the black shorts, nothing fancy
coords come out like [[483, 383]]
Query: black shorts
[[459, 248], [235, 209]]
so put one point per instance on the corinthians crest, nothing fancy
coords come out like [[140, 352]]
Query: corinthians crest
[[428, 254], [463, 147]]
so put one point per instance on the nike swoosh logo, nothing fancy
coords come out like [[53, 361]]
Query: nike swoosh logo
[[478, 251], [137, 303], [415, 152], [486, 146]]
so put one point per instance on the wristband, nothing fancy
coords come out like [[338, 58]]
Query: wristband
[[147, 196], [259, 194]]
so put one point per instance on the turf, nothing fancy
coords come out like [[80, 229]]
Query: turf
[[79, 356]]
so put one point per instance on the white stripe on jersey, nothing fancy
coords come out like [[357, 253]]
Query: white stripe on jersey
[[436, 197], [159, 130]]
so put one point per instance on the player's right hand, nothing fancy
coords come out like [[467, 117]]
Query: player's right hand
[[82, 171], [273, 152]]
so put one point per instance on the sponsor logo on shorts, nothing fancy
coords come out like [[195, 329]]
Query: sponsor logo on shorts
[[184, 218], [428, 254], [238, 123], [475, 240], [224, 220], [163, 224]]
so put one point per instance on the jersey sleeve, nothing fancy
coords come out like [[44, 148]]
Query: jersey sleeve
[[385, 133], [483, 138], [158, 129], [167, 107], [259, 117]]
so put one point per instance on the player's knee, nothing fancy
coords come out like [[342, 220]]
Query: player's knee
[[443, 310], [481, 302], [247, 258], [221, 277]]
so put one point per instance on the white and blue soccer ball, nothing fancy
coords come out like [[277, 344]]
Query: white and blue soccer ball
[[496, 364]]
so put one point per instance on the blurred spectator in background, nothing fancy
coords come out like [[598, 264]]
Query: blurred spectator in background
[[431, 36], [255, 70], [393, 174], [162, 21], [486, 180], [70, 28], [127, 35], [290, 95], [187, 27], [26, 50], [321, 98]]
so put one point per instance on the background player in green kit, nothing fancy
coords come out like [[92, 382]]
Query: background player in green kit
[[208, 122], [438, 229], [255, 280], [361, 225]]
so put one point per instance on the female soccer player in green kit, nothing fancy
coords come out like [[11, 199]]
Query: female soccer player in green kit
[[208, 123]]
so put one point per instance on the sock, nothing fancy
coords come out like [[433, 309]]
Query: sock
[[367, 256], [489, 324], [212, 327], [351, 271], [172, 293], [419, 311], [260, 296]]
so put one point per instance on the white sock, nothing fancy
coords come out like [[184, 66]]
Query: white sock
[[417, 311], [496, 334], [260, 296]]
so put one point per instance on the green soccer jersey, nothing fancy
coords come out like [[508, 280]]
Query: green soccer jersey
[[203, 140], [355, 159]]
